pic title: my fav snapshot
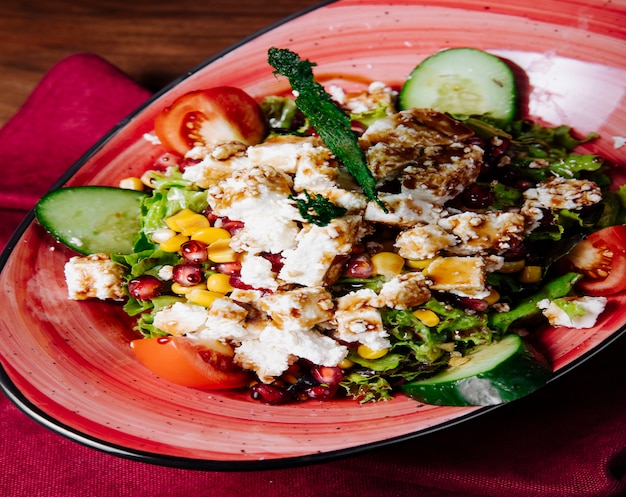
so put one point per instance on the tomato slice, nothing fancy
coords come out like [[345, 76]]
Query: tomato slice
[[181, 361], [601, 259], [210, 117]]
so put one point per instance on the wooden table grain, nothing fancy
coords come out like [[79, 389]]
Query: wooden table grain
[[154, 41]]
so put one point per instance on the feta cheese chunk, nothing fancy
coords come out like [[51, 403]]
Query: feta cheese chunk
[[288, 153], [441, 174], [463, 276], [394, 142], [275, 349], [216, 163], [94, 276], [481, 233], [564, 193], [359, 321], [404, 211], [225, 321], [259, 197], [583, 311], [403, 291], [311, 262], [181, 318], [423, 241], [299, 308], [257, 272]]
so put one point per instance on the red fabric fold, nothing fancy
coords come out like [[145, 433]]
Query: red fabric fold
[[568, 439]]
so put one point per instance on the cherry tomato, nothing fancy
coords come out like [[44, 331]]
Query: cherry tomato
[[601, 259], [179, 360], [210, 117]]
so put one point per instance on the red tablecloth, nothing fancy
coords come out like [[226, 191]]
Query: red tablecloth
[[569, 439]]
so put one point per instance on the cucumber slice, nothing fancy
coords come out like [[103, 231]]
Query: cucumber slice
[[496, 373], [92, 219], [462, 82]]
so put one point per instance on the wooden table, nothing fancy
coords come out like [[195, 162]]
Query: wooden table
[[154, 41]]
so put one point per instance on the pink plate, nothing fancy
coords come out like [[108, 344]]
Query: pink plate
[[68, 365]]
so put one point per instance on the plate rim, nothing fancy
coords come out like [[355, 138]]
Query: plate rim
[[20, 400]]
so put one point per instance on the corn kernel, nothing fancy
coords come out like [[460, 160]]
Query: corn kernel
[[493, 297], [132, 183], [418, 264], [187, 222], [512, 266], [345, 363], [427, 317], [366, 353], [179, 289], [146, 178], [162, 235], [172, 221], [219, 283], [203, 297], [210, 234], [220, 251], [530, 274], [174, 243], [388, 264]]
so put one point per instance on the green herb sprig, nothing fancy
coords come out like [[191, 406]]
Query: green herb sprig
[[330, 122], [317, 209]]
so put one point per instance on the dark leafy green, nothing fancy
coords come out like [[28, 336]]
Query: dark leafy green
[[330, 122], [317, 209]]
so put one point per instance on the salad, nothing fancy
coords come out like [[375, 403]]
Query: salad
[[329, 244]]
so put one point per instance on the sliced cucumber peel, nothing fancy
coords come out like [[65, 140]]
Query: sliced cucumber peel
[[493, 374], [92, 219], [462, 82]]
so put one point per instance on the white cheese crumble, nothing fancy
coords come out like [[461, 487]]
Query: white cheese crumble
[[94, 276], [584, 314]]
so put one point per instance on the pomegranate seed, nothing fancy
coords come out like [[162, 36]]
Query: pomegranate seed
[[327, 375], [360, 266], [185, 163], [166, 160], [228, 267], [194, 251], [145, 287], [474, 304], [275, 259], [232, 226], [235, 282], [322, 392], [269, 394], [477, 197], [477, 140], [187, 274], [501, 149]]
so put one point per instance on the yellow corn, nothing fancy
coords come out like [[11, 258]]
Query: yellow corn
[[132, 183], [187, 222], [530, 274], [219, 283], [210, 234], [388, 264], [220, 251], [366, 353], [345, 363], [512, 266], [418, 264], [146, 178], [493, 297], [162, 235], [203, 297], [427, 317], [174, 243], [184, 290]]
